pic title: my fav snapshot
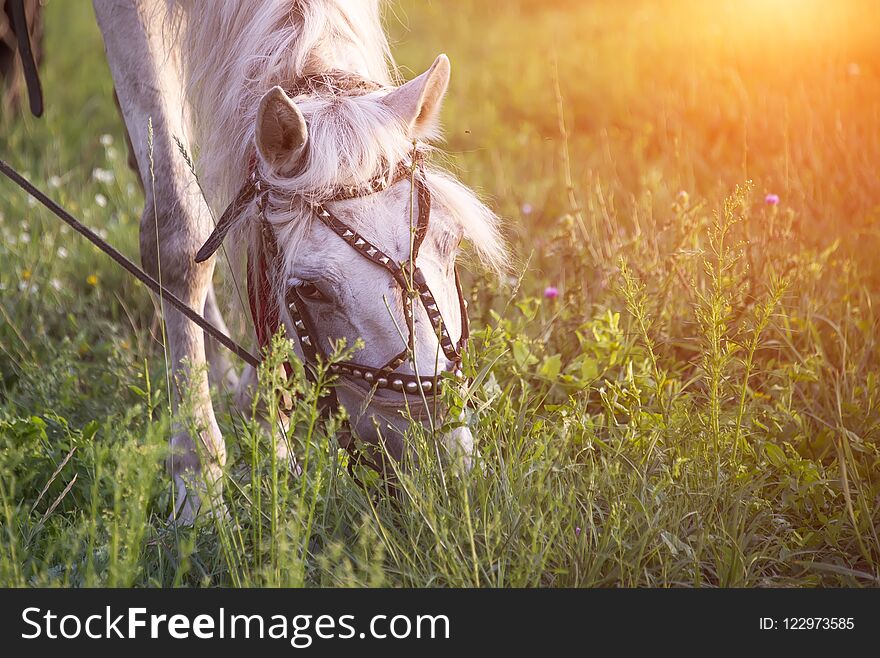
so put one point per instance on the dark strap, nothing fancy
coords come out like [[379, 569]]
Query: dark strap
[[245, 195], [261, 297], [28, 64], [128, 266], [250, 190], [407, 275], [463, 309]]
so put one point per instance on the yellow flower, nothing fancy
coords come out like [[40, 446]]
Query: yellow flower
[[92, 279], [25, 275]]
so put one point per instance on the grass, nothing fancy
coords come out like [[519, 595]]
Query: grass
[[700, 406]]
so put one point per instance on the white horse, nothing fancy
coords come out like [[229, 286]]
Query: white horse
[[214, 75]]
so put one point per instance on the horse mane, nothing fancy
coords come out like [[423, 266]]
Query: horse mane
[[234, 52]]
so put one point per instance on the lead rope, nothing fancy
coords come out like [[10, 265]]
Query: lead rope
[[128, 266]]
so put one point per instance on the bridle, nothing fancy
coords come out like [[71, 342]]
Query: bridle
[[408, 277], [263, 296]]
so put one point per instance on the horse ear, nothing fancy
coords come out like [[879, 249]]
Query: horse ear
[[281, 134], [418, 101]]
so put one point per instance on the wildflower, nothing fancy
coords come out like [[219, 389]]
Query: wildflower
[[25, 275], [106, 140], [25, 238], [551, 292], [56, 284], [101, 200], [527, 209], [54, 181], [577, 532], [682, 199], [92, 279], [771, 199], [62, 252], [103, 175]]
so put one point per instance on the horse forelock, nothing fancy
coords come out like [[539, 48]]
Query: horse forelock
[[233, 53]]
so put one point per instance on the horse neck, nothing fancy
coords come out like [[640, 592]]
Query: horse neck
[[348, 37]]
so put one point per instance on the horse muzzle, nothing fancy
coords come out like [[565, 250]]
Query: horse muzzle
[[382, 422]]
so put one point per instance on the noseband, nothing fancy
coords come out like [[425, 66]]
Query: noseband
[[408, 277]]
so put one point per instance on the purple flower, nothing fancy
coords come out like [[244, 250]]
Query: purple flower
[[527, 209], [771, 199], [551, 292], [577, 532]]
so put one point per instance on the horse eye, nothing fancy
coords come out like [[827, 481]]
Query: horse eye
[[310, 291]]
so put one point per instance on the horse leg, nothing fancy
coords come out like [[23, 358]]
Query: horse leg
[[175, 223], [222, 373]]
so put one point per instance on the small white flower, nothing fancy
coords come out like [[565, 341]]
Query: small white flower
[[106, 140], [62, 252], [56, 284], [31, 201], [101, 200], [54, 181], [102, 233], [25, 238], [103, 175]]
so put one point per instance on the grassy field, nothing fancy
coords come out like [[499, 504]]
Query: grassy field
[[700, 405]]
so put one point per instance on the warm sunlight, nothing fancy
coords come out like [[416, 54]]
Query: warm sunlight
[[437, 294]]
